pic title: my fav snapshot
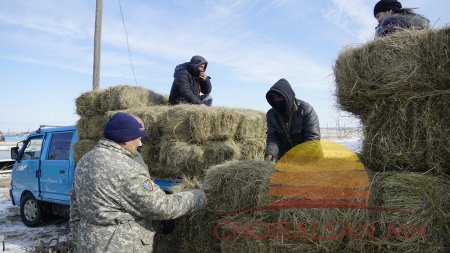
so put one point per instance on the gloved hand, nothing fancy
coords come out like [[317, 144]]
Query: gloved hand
[[168, 226]]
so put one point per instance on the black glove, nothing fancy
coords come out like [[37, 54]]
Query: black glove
[[168, 226]]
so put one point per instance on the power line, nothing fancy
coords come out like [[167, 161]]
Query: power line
[[128, 45]]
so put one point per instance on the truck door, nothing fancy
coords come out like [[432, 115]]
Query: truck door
[[26, 170], [55, 165]]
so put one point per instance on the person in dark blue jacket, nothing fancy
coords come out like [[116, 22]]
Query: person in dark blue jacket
[[392, 17], [290, 122], [191, 80]]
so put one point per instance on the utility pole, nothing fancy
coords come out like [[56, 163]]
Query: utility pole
[[97, 44]]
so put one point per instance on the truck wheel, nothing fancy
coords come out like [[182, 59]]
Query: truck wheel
[[31, 211]]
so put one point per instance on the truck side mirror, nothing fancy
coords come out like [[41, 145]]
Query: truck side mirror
[[15, 153]]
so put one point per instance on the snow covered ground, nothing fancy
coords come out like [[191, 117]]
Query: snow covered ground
[[20, 238]]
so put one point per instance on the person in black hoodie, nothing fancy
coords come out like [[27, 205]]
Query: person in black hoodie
[[392, 17], [290, 122], [190, 80]]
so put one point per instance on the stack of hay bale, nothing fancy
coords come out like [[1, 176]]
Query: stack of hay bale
[[183, 139], [399, 86]]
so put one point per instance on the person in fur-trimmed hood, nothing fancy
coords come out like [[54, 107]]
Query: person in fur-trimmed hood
[[190, 80], [392, 17], [290, 122]]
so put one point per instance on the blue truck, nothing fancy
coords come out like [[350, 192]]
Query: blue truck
[[43, 173]]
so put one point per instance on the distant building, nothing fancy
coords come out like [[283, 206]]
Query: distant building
[[2, 137]]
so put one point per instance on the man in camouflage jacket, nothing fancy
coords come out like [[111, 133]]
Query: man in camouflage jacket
[[114, 199]]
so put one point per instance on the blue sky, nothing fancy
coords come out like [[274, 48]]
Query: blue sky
[[46, 50]]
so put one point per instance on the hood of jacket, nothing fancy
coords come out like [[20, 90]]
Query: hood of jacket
[[283, 88], [191, 66]]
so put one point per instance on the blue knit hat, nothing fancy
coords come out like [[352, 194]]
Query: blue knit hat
[[122, 127]]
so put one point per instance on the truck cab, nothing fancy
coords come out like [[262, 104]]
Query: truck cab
[[43, 173]]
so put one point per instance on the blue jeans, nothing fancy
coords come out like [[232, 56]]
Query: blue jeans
[[207, 99]]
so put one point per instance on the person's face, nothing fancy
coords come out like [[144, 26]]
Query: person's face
[[133, 145], [382, 15], [277, 98], [201, 68]]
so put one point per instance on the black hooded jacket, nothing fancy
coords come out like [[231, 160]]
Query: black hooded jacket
[[297, 123], [186, 86]]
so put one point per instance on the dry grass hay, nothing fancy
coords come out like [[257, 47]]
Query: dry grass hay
[[219, 152], [200, 123], [177, 158], [410, 64], [123, 97], [88, 104], [423, 202], [114, 98], [157, 99], [244, 185], [192, 233], [81, 147], [91, 127], [413, 136], [252, 149], [239, 184], [252, 124]]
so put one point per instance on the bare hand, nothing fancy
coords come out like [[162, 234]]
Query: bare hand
[[203, 76]]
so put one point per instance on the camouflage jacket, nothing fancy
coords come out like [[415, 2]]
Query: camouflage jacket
[[114, 200]]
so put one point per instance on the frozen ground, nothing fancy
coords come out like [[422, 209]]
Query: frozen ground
[[19, 238]]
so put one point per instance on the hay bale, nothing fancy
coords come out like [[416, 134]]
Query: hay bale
[[413, 136], [192, 233], [81, 147], [423, 201], [114, 98], [238, 185], [193, 123], [252, 124], [252, 149], [88, 104], [157, 99], [220, 152], [177, 158], [123, 97], [410, 64], [91, 127]]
